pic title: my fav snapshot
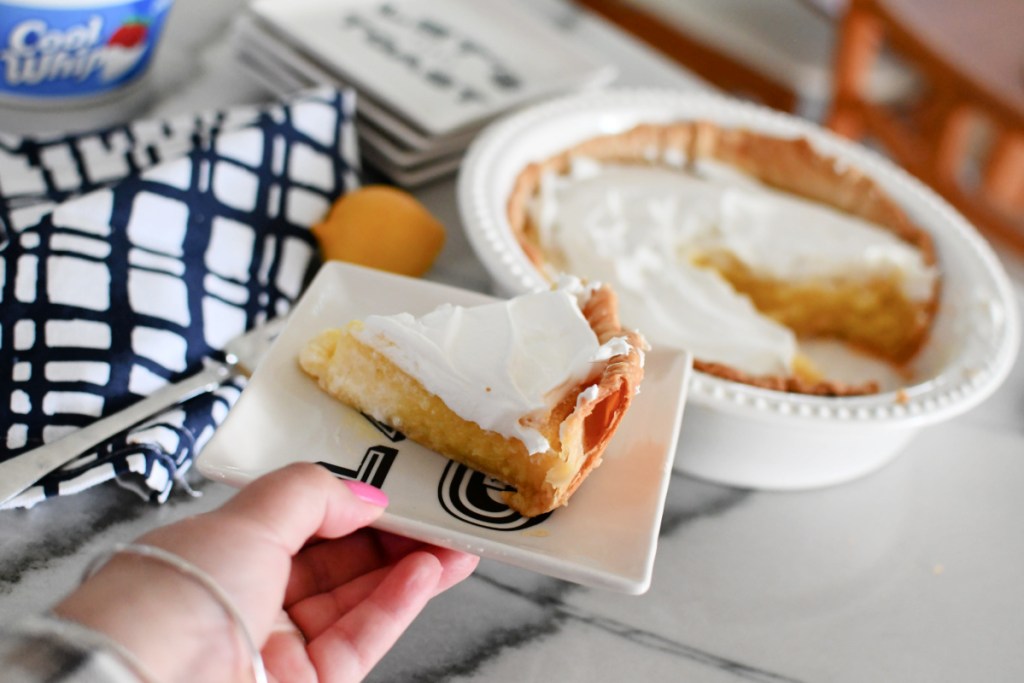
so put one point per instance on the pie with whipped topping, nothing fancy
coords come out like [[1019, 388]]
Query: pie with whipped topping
[[528, 391], [741, 247]]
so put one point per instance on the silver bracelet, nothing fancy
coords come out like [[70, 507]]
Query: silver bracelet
[[193, 572]]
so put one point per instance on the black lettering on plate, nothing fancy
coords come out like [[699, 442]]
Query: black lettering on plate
[[393, 434], [373, 468], [476, 499]]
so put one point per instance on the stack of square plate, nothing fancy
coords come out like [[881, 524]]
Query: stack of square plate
[[429, 76]]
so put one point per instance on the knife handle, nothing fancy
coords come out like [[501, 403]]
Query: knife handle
[[22, 471]]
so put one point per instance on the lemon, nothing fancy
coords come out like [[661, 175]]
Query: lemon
[[381, 227]]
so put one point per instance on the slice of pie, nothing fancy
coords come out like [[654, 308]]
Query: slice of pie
[[744, 248], [528, 391]]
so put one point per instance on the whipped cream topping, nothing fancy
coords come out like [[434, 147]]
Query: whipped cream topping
[[638, 227], [501, 363]]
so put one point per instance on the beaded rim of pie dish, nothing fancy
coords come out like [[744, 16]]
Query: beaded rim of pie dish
[[485, 182]]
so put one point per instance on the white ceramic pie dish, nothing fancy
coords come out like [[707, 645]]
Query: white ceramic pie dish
[[738, 434]]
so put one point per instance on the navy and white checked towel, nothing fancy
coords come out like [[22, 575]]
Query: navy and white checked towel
[[132, 253]]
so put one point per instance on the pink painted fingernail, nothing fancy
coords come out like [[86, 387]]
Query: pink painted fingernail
[[366, 492]]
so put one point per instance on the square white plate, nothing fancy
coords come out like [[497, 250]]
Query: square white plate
[[443, 65], [378, 150], [260, 45], [607, 535]]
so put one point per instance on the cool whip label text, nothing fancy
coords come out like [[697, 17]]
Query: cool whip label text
[[36, 53], [61, 52]]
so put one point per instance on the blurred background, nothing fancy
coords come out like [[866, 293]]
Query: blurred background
[[938, 85]]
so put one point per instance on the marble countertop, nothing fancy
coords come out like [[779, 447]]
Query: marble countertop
[[912, 573]]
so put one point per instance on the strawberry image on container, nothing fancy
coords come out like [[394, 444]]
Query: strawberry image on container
[[130, 34], [124, 48]]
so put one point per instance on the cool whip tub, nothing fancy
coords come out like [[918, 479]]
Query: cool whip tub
[[75, 52]]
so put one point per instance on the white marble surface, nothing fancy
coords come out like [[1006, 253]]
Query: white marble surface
[[911, 574]]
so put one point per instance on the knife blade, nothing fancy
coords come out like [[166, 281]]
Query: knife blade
[[240, 356]]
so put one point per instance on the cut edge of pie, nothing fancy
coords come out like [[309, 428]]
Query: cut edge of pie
[[788, 164]]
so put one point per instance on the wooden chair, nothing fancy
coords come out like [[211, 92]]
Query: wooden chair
[[776, 52], [964, 136]]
